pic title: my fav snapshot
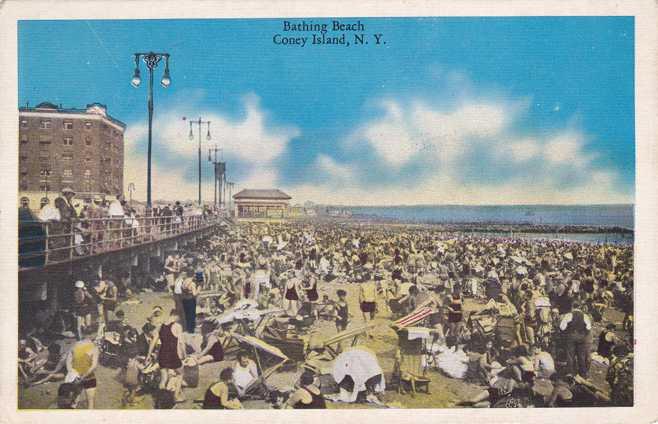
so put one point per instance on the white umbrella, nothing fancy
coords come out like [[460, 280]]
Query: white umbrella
[[361, 365]]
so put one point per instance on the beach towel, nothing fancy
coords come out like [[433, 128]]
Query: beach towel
[[453, 363]]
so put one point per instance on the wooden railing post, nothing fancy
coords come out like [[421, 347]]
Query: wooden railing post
[[46, 247], [71, 240]]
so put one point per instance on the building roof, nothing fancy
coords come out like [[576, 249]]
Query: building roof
[[269, 194], [91, 109], [46, 105]]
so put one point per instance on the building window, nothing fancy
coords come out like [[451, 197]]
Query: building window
[[88, 141], [68, 141], [24, 139], [68, 173], [67, 156], [45, 125], [24, 123], [87, 173], [44, 139], [68, 125], [24, 185], [23, 158], [44, 187], [88, 125]]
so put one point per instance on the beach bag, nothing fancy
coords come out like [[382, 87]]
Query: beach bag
[[506, 330], [191, 374], [164, 399]]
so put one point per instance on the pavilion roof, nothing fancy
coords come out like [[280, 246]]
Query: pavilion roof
[[267, 194]]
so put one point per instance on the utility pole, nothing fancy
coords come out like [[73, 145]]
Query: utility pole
[[215, 163]]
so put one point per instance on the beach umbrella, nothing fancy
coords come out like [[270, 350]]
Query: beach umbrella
[[361, 365]]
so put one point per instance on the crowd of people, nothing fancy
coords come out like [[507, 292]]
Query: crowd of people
[[81, 227], [522, 319]]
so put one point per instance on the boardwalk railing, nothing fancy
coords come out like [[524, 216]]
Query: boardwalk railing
[[46, 243]]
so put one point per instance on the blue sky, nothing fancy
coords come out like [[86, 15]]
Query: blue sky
[[449, 110]]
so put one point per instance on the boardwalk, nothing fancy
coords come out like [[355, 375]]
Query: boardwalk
[[43, 244]]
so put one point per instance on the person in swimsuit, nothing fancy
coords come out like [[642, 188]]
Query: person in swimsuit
[[171, 354], [213, 345], [310, 288], [455, 313], [82, 361], [83, 304], [368, 301], [220, 394], [291, 304], [342, 311], [190, 291], [308, 396], [607, 341]]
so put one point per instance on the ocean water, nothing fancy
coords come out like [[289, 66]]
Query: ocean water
[[589, 215]]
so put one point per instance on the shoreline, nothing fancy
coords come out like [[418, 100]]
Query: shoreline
[[475, 227]]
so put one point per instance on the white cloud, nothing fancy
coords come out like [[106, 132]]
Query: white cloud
[[456, 147], [469, 153], [335, 170], [249, 140], [400, 135], [567, 149], [522, 150]]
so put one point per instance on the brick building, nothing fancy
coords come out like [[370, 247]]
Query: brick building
[[81, 149]]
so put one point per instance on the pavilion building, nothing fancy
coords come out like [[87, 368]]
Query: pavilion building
[[269, 205]]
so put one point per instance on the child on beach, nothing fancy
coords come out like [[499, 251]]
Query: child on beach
[[341, 311]]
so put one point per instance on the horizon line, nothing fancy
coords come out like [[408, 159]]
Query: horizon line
[[478, 205]]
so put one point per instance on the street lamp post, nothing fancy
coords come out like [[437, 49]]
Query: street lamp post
[[199, 122], [151, 60]]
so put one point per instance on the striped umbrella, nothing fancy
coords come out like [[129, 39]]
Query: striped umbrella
[[417, 315]]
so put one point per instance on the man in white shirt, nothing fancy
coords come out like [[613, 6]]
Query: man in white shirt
[[49, 213], [245, 373], [576, 326]]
